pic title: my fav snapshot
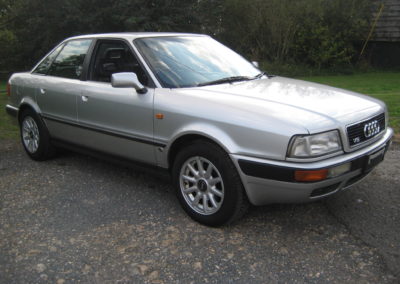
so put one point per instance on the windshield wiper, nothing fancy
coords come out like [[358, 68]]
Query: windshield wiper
[[260, 75], [226, 80], [263, 73]]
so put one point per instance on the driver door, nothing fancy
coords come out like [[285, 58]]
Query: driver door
[[118, 121]]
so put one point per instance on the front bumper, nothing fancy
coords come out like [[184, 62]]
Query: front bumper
[[268, 181]]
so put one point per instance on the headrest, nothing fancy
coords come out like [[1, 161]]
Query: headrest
[[114, 53]]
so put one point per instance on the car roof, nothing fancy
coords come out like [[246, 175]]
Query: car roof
[[132, 35]]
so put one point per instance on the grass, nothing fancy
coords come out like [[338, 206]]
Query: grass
[[8, 130], [381, 85]]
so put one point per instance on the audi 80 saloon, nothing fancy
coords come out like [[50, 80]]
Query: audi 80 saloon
[[229, 134]]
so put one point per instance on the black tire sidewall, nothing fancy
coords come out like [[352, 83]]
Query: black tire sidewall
[[233, 189]]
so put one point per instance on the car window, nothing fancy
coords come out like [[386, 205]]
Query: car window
[[113, 56], [187, 61], [69, 62], [43, 67]]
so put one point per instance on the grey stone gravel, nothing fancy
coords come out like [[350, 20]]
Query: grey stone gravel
[[76, 219], [371, 210]]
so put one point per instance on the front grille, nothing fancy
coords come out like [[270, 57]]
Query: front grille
[[357, 134]]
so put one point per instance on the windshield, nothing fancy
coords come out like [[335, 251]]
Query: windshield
[[188, 61]]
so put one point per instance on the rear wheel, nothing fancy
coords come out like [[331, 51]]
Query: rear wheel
[[208, 185], [35, 136]]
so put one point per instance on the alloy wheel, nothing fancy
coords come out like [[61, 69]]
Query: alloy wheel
[[201, 185], [30, 134]]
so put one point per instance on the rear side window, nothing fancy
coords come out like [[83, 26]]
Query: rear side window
[[69, 62], [44, 66]]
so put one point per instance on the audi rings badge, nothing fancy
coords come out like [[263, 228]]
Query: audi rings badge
[[371, 129]]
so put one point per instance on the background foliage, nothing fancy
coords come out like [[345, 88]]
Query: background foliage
[[316, 33]]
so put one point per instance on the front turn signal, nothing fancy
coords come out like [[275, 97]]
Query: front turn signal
[[159, 116], [316, 175]]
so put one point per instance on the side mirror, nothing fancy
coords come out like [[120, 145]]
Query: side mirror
[[127, 80], [255, 64]]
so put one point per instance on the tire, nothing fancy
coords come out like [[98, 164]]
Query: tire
[[35, 137], [208, 185]]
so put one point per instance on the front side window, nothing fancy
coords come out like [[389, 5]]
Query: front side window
[[114, 56], [44, 66], [69, 62], [188, 61]]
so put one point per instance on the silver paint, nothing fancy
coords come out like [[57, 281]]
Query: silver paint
[[253, 120]]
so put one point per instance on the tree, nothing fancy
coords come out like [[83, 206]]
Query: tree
[[40, 24], [315, 32]]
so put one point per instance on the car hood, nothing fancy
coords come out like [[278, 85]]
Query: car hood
[[313, 106]]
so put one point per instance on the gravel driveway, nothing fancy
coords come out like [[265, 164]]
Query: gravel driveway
[[79, 219]]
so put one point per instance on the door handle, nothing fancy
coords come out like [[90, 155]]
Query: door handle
[[42, 91], [85, 99]]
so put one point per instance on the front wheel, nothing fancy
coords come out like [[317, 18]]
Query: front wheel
[[208, 185]]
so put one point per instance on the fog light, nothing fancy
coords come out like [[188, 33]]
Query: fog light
[[339, 170], [316, 175]]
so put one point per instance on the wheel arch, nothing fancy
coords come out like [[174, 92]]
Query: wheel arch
[[179, 142], [234, 203], [27, 103]]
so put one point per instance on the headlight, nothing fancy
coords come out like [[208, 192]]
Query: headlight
[[308, 146]]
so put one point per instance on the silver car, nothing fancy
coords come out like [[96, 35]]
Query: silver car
[[228, 133]]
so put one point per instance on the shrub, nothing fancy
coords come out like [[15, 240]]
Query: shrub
[[319, 33]]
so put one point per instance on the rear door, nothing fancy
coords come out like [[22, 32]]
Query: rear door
[[59, 86], [118, 121]]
